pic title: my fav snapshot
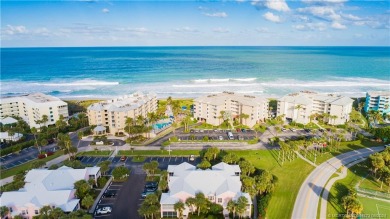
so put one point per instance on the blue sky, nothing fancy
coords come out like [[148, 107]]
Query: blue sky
[[195, 23]]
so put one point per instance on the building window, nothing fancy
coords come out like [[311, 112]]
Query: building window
[[52, 120], [211, 198], [11, 210], [36, 211], [170, 214], [23, 212], [219, 200]]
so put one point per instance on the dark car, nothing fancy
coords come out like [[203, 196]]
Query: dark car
[[123, 158], [321, 130], [307, 130], [151, 185], [50, 141], [150, 189], [243, 130], [110, 194], [79, 158]]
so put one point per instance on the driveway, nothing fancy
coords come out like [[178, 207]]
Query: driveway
[[129, 197], [306, 203]]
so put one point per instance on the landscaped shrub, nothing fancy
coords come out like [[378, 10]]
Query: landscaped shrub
[[41, 156], [173, 139], [102, 181], [262, 204], [16, 147], [166, 143]]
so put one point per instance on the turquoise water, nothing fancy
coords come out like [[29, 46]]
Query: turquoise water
[[160, 125], [193, 71]]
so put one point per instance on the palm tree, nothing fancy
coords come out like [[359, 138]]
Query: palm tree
[[360, 107], [140, 120], [44, 120], [201, 202], [190, 202], [129, 122], [244, 116], [231, 207], [34, 131], [179, 208], [174, 126], [298, 108]]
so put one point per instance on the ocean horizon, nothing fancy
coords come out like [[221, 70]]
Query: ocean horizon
[[192, 71]]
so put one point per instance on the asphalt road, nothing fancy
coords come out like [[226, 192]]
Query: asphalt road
[[306, 203]]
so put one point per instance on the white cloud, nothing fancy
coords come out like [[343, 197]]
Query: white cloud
[[320, 26], [323, 12], [217, 14], [277, 5], [351, 17], [186, 29], [271, 17], [221, 30], [338, 26], [262, 30], [12, 30], [324, 1], [105, 10]]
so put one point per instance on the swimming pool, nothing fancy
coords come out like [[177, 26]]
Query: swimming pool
[[161, 125]]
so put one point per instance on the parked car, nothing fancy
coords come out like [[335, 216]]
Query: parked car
[[110, 194], [220, 138], [123, 158], [104, 210], [240, 137], [192, 157], [307, 130], [230, 135], [150, 189], [243, 130], [145, 193], [283, 129], [293, 130], [321, 130], [151, 184], [238, 130]]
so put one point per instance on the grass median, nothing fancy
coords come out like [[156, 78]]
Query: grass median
[[26, 166], [95, 153]]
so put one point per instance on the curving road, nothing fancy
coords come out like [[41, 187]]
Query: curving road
[[306, 203]]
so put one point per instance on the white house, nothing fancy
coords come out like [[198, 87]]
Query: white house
[[220, 184], [47, 187]]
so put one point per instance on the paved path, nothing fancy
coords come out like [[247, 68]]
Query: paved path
[[325, 194], [306, 203], [305, 159]]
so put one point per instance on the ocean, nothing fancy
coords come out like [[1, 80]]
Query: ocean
[[104, 72]]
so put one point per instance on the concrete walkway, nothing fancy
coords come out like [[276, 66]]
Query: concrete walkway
[[325, 194], [305, 159], [6, 180]]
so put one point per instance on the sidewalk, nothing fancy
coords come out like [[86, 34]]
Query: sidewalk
[[325, 194]]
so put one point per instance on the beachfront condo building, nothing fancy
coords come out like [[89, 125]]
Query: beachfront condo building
[[377, 101], [216, 108], [32, 107], [300, 106], [220, 184], [113, 113], [43, 187]]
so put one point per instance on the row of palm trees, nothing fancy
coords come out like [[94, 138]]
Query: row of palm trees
[[201, 204]]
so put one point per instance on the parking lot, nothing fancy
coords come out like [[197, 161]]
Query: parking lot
[[128, 194], [11, 160], [113, 188]]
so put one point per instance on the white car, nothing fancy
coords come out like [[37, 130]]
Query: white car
[[192, 157], [104, 210], [220, 138]]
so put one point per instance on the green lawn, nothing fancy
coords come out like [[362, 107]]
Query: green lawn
[[26, 166], [357, 173], [159, 152], [344, 148], [94, 153], [375, 207], [290, 177]]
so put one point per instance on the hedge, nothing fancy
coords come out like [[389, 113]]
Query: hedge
[[16, 147]]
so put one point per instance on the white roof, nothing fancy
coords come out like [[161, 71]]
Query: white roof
[[8, 120], [48, 187], [307, 97], [4, 135], [186, 179], [220, 98], [99, 128], [123, 103]]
